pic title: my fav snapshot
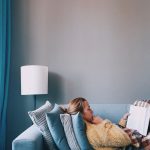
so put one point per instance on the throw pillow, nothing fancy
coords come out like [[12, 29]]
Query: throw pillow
[[56, 128], [80, 132], [68, 128], [38, 117]]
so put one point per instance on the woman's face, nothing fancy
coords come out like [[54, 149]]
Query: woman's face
[[87, 112]]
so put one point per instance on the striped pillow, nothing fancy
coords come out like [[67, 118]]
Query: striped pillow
[[69, 132], [39, 119]]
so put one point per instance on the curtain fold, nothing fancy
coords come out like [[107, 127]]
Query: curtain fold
[[5, 46]]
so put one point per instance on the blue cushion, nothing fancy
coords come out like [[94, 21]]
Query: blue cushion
[[80, 132], [56, 128]]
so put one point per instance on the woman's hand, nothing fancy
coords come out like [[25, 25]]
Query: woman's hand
[[125, 117], [123, 120], [97, 120]]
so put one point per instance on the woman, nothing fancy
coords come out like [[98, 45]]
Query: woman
[[101, 133], [81, 105]]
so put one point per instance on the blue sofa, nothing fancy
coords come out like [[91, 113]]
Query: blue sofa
[[31, 138]]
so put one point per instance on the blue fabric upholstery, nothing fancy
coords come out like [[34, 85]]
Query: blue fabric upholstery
[[30, 139], [80, 132], [113, 112], [56, 128]]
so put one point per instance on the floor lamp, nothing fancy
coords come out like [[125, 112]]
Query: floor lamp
[[34, 80]]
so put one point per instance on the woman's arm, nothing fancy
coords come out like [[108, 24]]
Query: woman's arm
[[123, 120]]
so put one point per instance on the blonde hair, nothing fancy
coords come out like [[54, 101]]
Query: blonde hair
[[76, 105]]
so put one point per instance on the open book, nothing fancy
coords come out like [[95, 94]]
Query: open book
[[139, 119]]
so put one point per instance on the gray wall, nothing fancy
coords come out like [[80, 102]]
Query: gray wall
[[97, 49]]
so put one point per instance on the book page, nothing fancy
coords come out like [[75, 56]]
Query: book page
[[138, 119]]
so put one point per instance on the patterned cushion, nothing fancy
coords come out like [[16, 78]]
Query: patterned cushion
[[38, 117], [135, 137], [69, 132], [56, 128], [146, 142], [80, 132]]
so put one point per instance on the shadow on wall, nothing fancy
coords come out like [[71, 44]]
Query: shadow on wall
[[55, 90]]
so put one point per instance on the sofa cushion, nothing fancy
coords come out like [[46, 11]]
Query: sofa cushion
[[38, 117], [69, 132], [56, 128], [80, 132]]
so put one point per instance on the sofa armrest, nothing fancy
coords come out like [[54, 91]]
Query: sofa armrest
[[30, 139]]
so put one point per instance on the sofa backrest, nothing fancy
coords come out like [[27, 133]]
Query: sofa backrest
[[113, 112]]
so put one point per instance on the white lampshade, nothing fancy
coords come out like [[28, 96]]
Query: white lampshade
[[34, 80]]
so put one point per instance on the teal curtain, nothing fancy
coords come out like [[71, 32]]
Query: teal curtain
[[5, 44]]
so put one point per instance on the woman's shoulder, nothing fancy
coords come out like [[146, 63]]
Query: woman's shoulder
[[104, 122]]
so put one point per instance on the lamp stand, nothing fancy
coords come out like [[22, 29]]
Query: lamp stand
[[34, 102]]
